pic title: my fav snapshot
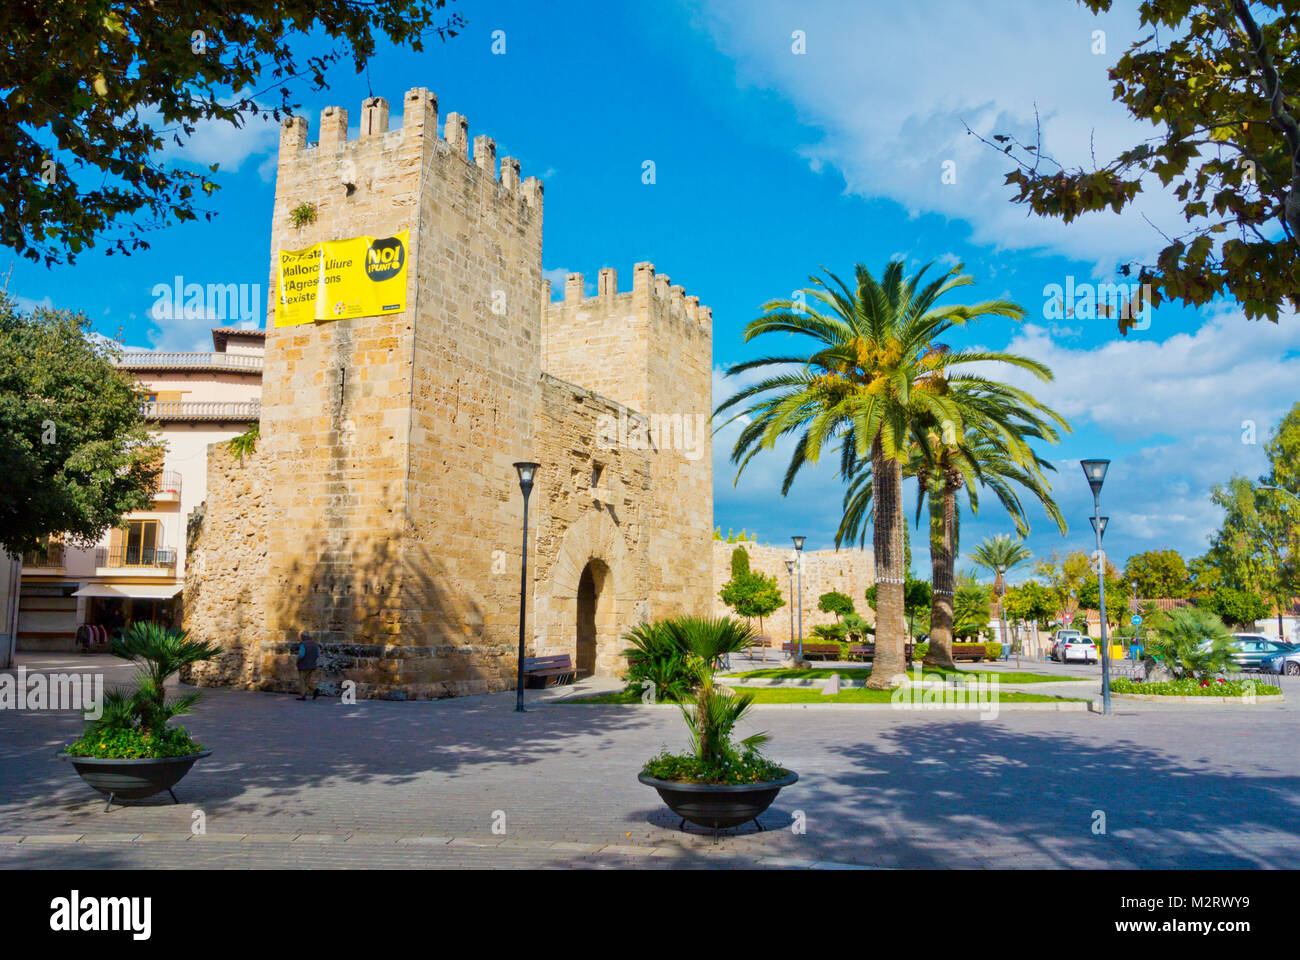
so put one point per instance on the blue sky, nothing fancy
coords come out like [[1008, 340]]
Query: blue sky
[[771, 164]]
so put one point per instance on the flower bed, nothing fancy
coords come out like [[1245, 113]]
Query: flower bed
[[1194, 688]]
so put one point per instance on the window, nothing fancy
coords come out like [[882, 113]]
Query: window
[[141, 543]]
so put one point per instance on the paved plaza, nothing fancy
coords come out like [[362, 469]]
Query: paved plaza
[[423, 784]]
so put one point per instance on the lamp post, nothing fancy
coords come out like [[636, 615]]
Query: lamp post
[[789, 569], [526, 470], [798, 550], [1001, 589], [1095, 471]]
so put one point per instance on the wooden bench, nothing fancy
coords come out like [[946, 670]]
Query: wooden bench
[[823, 650], [548, 671], [969, 651]]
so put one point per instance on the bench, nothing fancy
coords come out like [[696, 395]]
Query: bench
[[823, 650], [867, 651], [969, 651], [548, 671]]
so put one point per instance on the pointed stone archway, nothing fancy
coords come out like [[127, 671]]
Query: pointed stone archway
[[585, 602]]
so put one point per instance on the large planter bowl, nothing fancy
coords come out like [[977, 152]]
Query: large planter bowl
[[718, 806], [133, 779]]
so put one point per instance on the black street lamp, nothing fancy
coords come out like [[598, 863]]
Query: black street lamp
[[789, 569], [1095, 471], [526, 470], [798, 549]]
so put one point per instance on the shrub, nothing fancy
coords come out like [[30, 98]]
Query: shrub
[[857, 628], [714, 711], [654, 657], [992, 650], [135, 723], [1180, 645], [830, 632], [920, 651]]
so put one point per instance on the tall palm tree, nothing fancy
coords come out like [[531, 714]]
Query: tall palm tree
[[877, 367], [994, 453]]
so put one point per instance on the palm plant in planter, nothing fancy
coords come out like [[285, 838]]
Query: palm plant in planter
[[718, 782], [131, 752]]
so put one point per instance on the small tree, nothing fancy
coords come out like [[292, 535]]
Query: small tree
[[739, 562], [970, 608], [1238, 607], [836, 603], [752, 594], [75, 452]]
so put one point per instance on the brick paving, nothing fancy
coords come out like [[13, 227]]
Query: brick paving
[[389, 784]]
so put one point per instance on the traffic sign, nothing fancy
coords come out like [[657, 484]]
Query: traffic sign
[[1136, 621], [1068, 617]]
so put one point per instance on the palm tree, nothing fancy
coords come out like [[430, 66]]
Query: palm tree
[[994, 453], [998, 554], [877, 368]]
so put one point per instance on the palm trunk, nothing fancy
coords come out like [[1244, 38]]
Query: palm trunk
[[887, 539], [943, 516]]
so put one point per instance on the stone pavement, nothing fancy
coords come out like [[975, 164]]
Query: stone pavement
[[422, 784]]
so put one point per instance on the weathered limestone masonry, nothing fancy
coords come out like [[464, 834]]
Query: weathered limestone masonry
[[849, 572], [385, 505]]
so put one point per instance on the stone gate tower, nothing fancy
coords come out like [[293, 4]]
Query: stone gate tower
[[381, 508]]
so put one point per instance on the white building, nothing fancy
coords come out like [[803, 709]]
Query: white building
[[137, 571]]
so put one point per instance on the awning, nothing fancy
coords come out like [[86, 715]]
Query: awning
[[143, 591]]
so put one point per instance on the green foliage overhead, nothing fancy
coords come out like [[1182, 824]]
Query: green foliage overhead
[[110, 84], [75, 453], [1158, 574], [1218, 81]]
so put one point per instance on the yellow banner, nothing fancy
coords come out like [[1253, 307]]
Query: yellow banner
[[360, 277]]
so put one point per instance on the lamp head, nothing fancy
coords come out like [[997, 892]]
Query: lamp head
[[798, 542], [789, 566], [526, 470], [1095, 471], [1099, 522]]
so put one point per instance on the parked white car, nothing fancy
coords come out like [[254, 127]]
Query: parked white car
[[1079, 649], [1058, 642]]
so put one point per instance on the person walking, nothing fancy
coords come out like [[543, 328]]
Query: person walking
[[308, 662]]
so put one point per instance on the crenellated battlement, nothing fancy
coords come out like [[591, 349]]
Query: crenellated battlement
[[419, 123], [646, 286]]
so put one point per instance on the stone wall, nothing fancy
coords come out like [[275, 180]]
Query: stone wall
[[849, 572], [390, 506], [226, 580]]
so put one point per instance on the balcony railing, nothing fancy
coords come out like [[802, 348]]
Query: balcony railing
[[169, 484], [161, 359], [201, 409], [48, 557], [135, 557]]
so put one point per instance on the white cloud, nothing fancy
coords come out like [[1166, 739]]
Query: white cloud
[[888, 93], [223, 143]]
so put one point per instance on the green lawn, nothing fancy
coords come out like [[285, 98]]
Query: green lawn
[[861, 673], [858, 695]]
